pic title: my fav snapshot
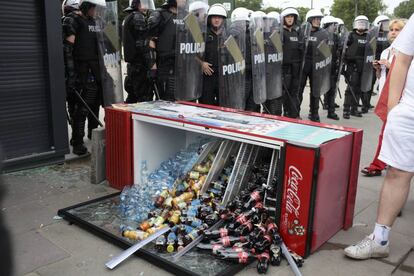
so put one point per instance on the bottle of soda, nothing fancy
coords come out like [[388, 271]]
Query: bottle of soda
[[242, 257], [255, 196], [262, 244], [275, 255], [230, 241], [258, 231], [171, 240], [211, 219], [215, 234], [134, 234], [160, 243], [242, 218], [175, 217], [271, 228], [184, 229], [180, 242], [263, 262], [209, 246], [160, 199], [192, 236], [244, 229]]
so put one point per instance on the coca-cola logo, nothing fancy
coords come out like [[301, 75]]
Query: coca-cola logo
[[293, 200]]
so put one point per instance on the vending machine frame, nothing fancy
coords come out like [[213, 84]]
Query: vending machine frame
[[317, 181]]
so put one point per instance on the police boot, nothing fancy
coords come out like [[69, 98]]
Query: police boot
[[78, 131], [356, 113], [314, 117], [333, 115], [347, 113]]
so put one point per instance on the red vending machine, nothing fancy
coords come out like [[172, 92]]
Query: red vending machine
[[317, 165]]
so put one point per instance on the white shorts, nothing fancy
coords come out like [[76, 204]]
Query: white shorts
[[398, 143]]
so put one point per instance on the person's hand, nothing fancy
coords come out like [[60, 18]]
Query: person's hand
[[376, 65], [385, 63], [206, 68]]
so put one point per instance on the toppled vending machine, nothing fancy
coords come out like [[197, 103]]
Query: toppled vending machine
[[310, 172]]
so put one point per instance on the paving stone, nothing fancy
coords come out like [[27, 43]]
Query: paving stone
[[365, 221], [27, 216], [32, 251]]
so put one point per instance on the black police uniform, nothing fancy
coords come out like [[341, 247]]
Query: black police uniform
[[292, 57], [164, 23], [83, 64], [329, 98], [307, 72], [354, 59], [211, 83], [70, 75], [140, 57]]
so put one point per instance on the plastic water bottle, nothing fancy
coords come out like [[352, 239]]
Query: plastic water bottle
[[144, 174]]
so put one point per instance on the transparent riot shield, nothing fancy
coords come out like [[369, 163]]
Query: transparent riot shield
[[322, 63], [274, 58], [190, 48], [369, 57], [258, 59], [232, 73], [109, 49]]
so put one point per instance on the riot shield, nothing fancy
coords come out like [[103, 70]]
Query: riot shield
[[232, 73], [258, 59], [190, 47], [274, 58], [322, 63], [109, 49], [369, 57]]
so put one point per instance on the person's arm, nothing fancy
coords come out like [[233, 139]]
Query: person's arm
[[398, 78]]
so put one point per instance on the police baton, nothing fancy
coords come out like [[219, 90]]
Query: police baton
[[351, 89], [87, 106]]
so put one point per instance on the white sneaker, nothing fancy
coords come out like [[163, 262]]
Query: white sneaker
[[367, 248]]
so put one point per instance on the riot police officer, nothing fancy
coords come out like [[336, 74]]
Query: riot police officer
[[141, 58], [292, 57], [164, 20], [354, 59], [216, 17], [69, 9], [82, 57], [329, 23], [314, 17]]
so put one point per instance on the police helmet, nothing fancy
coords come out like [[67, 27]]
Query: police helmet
[[328, 20], [240, 14], [218, 10], [101, 3], [361, 22], [274, 15], [313, 13], [382, 21], [69, 6], [198, 5], [339, 21]]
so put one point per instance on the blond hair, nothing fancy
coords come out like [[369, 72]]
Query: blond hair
[[399, 23]]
